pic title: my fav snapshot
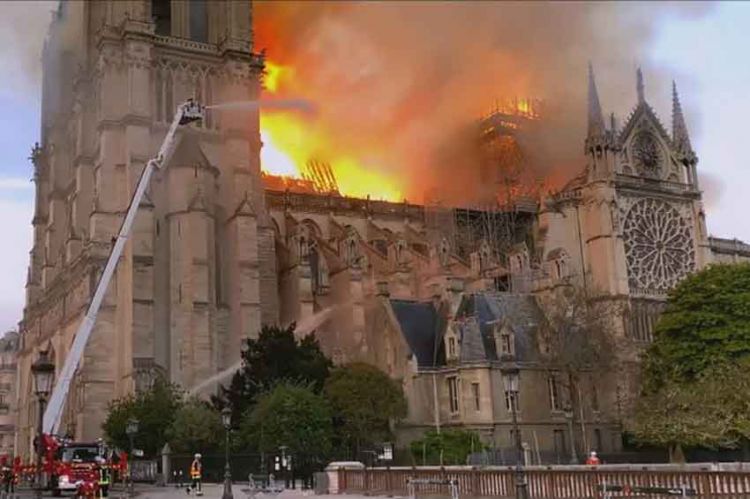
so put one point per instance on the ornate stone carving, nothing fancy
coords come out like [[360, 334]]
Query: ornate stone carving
[[658, 246], [401, 247], [647, 154], [444, 252]]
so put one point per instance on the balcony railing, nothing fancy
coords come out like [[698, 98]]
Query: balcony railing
[[641, 182], [731, 246]]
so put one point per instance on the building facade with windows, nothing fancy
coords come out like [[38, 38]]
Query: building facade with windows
[[8, 380], [219, 249]]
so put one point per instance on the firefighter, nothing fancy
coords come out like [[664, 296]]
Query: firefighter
[[196, 475], [104, 477], [7, 475], [593, 459]]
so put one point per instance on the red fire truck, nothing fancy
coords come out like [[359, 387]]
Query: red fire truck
[[75, 467]]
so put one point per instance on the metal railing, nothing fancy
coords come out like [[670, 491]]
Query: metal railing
[[577, 483]]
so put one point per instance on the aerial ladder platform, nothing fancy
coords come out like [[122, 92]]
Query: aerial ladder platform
[[186, 113]]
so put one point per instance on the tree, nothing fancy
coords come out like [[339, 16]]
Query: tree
[[275, 356], [696, 367], [706, 322], [290, 415], [154, 409], [712, 411], [365, 401], [577, 338], [196, 427], [448, 447]]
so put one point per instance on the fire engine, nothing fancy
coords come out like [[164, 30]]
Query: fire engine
[[75, 466]]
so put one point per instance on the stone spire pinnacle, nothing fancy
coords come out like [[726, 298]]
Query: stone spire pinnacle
[[680, 136], [639, 87], [596, 119]]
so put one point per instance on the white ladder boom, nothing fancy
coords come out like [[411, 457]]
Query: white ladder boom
[[186, 113]]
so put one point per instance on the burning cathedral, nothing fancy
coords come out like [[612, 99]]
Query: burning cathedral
[[439, 297]]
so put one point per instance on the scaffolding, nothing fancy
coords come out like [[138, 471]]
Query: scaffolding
[[503, 205]]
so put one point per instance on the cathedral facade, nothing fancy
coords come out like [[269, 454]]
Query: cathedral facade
[[216, 251]]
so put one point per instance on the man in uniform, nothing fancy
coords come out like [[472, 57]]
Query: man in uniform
[[196, 474], [104, 477], [7, 473], [593, 459]]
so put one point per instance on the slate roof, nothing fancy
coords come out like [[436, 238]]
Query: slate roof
[[520, 313], [422, 327]]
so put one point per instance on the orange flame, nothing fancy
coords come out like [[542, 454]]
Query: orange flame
[[291, 140]]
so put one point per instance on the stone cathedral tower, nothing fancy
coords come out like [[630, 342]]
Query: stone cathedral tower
[[632, 223], [189, 285]]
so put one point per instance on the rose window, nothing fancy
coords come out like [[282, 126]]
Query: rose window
[[658, 246], [647, 154]]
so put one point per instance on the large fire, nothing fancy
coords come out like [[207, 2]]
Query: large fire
[[291, 142]]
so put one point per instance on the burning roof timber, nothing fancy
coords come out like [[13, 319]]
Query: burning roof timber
[[509, 118]]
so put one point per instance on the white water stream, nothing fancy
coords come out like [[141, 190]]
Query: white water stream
[[273, 104], [304, 327]]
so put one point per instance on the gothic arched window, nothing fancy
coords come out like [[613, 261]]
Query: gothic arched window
[[198, 20], [161, 14]]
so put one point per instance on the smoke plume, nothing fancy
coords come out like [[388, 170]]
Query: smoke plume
[[22, 28], [397, 83]]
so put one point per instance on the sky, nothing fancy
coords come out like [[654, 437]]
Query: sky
[[705, 54]]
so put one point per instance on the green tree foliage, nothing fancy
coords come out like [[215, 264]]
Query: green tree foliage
[[696, 390], [712, 411], [449, 447], [290, 415], [196, 427], [365, 401], [154, 409], [275, 356], [706, 323]]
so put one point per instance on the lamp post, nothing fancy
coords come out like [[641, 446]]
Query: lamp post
[[511, 373], [131, 430], [44, 373], [226, 419], [569, 418]]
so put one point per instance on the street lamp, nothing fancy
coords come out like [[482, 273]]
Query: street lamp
[[131, 430], [569, 418], [226, 419], [44, 373], [511, 373]]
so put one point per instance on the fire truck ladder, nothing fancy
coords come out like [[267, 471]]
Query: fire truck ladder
[[186, 113]]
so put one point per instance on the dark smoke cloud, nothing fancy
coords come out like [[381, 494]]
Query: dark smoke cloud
[[399, 81]]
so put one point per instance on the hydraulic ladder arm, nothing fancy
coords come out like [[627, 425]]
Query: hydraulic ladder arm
[[186, 113]]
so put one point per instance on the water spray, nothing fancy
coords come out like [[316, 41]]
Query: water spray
[[302, 105], [303, 328]]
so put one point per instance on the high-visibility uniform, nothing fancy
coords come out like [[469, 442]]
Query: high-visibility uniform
[[196, 475], [104, 480], [8, 479]]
